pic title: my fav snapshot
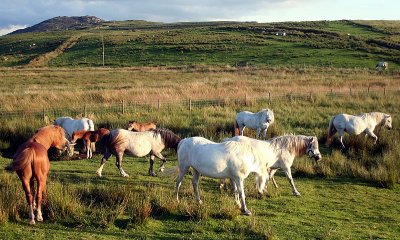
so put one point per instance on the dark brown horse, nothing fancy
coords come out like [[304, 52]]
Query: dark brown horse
[[32, 162], [141, 127], [89, 137]]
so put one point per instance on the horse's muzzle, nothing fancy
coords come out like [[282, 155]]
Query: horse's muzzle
[[317, 158]]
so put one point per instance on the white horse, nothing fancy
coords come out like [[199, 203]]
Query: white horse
[[381, 65], [259, 121], [138, 144], [285, 149], [71, 125], [229, 159], [363, 123]]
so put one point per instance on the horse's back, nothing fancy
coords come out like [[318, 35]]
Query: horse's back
[[350, 123]]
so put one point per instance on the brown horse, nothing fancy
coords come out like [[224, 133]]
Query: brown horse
[[89, 138], [32, 162], [141, 127]]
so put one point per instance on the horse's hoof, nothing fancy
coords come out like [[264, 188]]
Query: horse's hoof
[[39, 219], [247, 213], [32, 221], [296, 194], [153, 174], [200, 202], [162, 169], [125, 175], [98, 174]]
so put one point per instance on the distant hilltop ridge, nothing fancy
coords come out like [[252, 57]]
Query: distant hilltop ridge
[[62, 23]]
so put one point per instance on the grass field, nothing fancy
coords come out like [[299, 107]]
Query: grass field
[[318, 70]]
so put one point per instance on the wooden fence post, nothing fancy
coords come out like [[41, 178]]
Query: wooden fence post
[[269, 97], [245, 99], [350, 91], [123, 106], [44, 116], [190, 104], [158, 104], [368, 91]]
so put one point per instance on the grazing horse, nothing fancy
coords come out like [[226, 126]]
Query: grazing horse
[[89, 137], [363, 123], [381, 65], [285, 149], [140, 127], [259, 121], [138, 144], [71, 125], [31, 162], [229, 159]]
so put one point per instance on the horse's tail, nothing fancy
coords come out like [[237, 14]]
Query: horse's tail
[[171, 171], [21, 159], [331, 131], [236, 130]]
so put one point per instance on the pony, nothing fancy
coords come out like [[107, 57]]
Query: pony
[[31, 162], [259, 121], [381, 65], [285, 148], [71, 125], [229, 159], [363, 123], [140, 127], [138, 144], [89, 137]]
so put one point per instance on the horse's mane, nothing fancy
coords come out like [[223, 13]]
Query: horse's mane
[[46, 135], [377, 116], [294, 143], [169, 138]]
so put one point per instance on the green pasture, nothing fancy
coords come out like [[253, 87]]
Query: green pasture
[[350, 194], [131, 43]]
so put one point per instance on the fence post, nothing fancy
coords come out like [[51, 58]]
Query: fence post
[[158, 104], [269, 97], [368, 91], [190, 104], [123, 106], [311, 96], [44, 116], [331, 91], [350, 91], [245, 99]]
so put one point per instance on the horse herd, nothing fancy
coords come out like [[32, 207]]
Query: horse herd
[[233, 158]]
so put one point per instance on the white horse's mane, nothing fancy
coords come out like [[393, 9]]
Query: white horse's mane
[[295, 143]]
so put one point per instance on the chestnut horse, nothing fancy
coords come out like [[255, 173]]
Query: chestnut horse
[[89, 137], [32, 162], [141, 127]]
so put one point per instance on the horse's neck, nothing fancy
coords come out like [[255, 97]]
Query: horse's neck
[[374, 118]]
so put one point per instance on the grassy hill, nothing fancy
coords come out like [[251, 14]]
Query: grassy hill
[[139, 43]]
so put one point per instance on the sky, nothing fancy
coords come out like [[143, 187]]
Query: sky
[[16, 14]]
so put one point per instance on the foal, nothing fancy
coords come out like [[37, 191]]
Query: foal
[[89, 138]]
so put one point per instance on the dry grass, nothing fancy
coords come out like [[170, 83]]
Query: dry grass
[[27, 88]]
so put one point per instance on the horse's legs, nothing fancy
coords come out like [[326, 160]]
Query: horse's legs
[[371, 134], [118, 162], [235, 192], [341, 134], [290, 178], [240, 185], [182, 172], [151, 168], [25, 179], [262, 181], [258, 131], [106, 156], [40, 196], [88, 150], [34, 193], [164, 160], [271, 176], [195, 183], [265, 134], [242, 130]]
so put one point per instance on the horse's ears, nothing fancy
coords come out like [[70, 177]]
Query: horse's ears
[[387, 116]]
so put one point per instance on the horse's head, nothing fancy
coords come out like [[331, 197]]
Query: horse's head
[[313, 149], [61, 142], [103, 131], [387, 121], [131, 125]]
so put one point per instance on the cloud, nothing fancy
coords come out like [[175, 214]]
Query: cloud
[[10, 28]]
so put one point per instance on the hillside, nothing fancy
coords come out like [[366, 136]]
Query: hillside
[[342, 43]]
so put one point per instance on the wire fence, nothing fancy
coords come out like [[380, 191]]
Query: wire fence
[[124, 107]]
